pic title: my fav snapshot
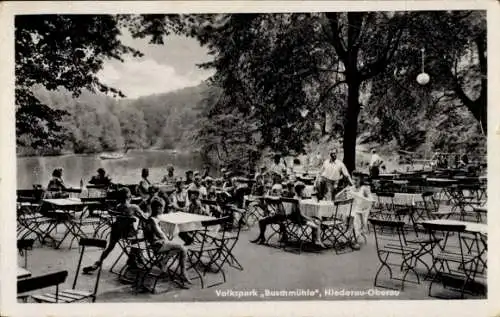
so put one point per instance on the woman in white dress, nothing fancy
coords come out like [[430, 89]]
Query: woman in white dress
[[361, 206]]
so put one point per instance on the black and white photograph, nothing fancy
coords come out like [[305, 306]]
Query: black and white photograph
[[312, 155]]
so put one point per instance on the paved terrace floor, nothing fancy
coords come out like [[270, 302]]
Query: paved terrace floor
[[265, 267]]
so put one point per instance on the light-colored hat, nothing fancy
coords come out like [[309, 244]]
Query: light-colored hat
[[299, 184], [209, 179]]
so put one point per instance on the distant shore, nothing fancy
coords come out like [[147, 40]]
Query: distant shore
[[20, 154]]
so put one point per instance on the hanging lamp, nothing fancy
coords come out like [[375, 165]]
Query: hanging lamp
[[423, 78]]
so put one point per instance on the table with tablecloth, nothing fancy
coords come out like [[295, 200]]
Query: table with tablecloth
[[400, 199], [472, 227], [323, 208], [174, 223], [67, 211], [22, 273]]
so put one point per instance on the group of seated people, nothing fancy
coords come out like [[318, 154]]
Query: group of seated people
[[358, 191]]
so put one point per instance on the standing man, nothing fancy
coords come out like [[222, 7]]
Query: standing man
[[332, 171], [375, 163]]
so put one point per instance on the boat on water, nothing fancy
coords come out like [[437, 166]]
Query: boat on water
[[113, 155]]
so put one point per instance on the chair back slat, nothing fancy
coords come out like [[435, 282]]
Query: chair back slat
[[444, 227], [343, 202], [216, 222], [98, 243], [25, 244], [40, 282], [386, 223]]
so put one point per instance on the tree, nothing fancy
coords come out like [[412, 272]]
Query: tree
[[111, 136], [59, 51], [133, 128]]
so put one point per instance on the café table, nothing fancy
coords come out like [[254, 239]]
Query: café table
[[175, 222], [64, 211], [471, 227], [387, 176], [479, 230], [22, 273], [323, 209]]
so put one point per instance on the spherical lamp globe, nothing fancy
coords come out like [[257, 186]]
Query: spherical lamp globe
[[423, 79]]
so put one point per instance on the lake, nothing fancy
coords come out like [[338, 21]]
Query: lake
[[38, 170]]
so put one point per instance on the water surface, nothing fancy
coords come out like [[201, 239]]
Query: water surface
[[37, 170]]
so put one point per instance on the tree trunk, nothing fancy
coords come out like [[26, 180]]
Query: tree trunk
[[351, 124]]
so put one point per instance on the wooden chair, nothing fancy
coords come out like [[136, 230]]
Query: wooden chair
[[297, 230], [393, 251], [40, 282], [23, 245], [206, 249], [455, 265], [75, 295], [337, 230]]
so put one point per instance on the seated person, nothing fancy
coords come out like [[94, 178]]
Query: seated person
[[258, 188], [144, 184], [189, 178], [297, 168], [159, 241], [289, 191], [169, 179], [219, 182], [179, 197], [206, 172], [196, 185], [101, 179], [154, 198], [297, 217], [277, 186], [228, 185], [120, 229], [210, 189], [56, 186], [194, 205]]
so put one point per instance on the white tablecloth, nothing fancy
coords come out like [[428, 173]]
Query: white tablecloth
[[401, 199], [473, 227], [322, 208], [308, 190], [176, 222]]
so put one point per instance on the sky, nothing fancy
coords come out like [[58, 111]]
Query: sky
[[163, 68]]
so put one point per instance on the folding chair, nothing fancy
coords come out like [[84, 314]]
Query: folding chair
[[40, 282], [127, 243], [23, 245], [338, 230], [385, 205], [208, 251], [295, 229], [464, 204], [154, 264], [424, 208], [454, 266], [29, 220], [80, 222], [274, 206], [75, 295], [255, 212], [390, 241], [228, 239]]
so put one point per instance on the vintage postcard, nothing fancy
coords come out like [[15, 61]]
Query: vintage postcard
[[249, 158]]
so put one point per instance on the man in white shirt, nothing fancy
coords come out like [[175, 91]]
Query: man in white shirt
[[375, 163], [332, 171]]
